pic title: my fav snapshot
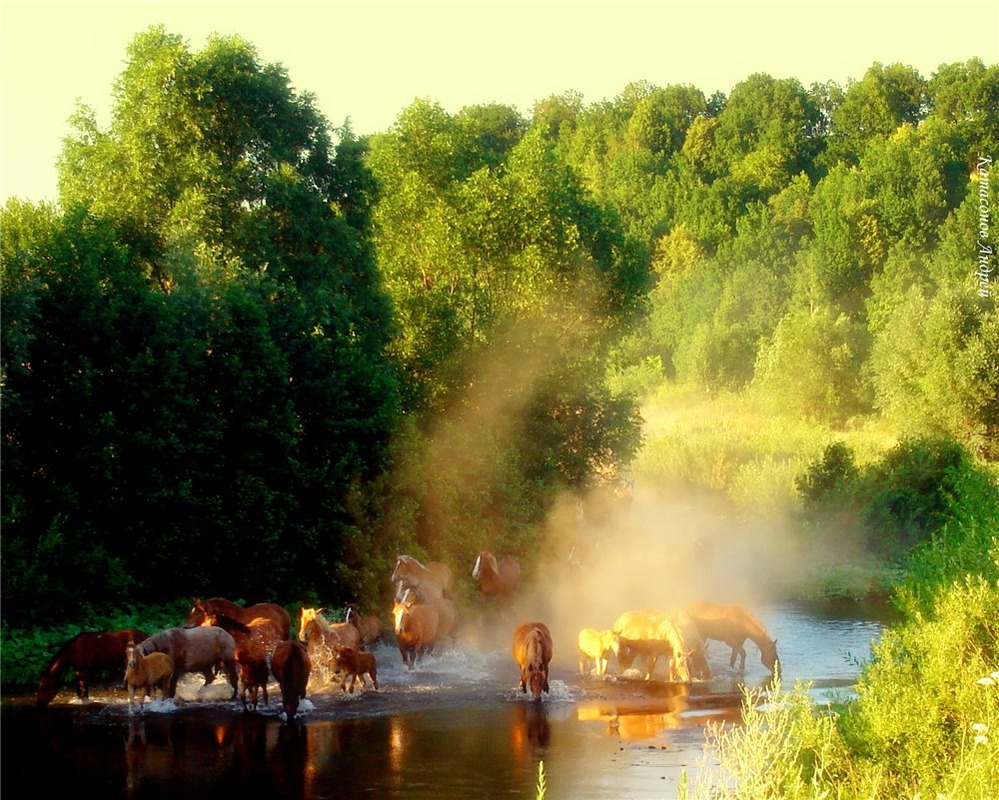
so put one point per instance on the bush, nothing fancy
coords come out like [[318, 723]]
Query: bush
[[829, 482], [910, 492]]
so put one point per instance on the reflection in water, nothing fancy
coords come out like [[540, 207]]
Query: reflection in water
[[639, 718], [530, 733], [630, 721]]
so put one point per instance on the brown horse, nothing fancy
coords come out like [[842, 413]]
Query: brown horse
[[146, 673], [312, 622], [291, 667], [433, 579], [219, 605], [369, 626], [497, 578], [255, 644], [733, 624], [195, 650], [322, 637], [86, 654], [696, 657], [532, 650], [416, 627]]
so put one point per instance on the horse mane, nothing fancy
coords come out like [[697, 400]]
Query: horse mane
[[756, 630], [226, 622], [535, 644]]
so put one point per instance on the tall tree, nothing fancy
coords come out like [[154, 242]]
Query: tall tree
[[231, 373]]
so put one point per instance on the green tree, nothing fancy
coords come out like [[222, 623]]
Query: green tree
[[934, 366], [766, 133], [811, 365], [965, 96], [207, 340], [872, 108]]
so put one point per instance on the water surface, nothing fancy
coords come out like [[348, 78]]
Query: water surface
[[456, 726]]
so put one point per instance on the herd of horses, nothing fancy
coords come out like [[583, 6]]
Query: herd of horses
[[252, 643]]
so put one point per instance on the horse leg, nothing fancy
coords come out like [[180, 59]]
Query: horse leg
[[81, 685], [174, 679], [230, 671], [738, 651]]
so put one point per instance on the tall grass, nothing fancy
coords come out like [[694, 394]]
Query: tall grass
[[725, 443]]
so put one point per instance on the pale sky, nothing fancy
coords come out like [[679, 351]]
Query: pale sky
[[368, 61]]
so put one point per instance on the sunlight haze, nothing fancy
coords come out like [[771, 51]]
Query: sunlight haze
[[367, 62]]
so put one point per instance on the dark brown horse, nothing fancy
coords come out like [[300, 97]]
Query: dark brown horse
[[255, 644], [219, 605], [195, 650], [291, 667], [532, 650], [497, 578], [86, 654]]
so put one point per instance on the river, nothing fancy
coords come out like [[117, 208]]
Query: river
[[456, 726]]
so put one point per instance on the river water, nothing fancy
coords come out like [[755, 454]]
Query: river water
[[456, 726]]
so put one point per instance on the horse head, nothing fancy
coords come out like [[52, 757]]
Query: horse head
[[768, 655], [196, 615], [484, 563], [401, 607], [305, 616], [48, 688], [131, 655], [404, 566]]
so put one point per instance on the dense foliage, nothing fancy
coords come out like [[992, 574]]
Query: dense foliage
[[252, 356], [815, 247], [195, 348]]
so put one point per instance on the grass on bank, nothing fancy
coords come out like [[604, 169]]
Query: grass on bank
[[925, 722]]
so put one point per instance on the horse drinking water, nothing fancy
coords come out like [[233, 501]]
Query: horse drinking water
[[86, 654], [733, 624], [292, 667], [532, 650]]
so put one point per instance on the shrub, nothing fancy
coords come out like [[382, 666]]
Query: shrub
[[908, 494]]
